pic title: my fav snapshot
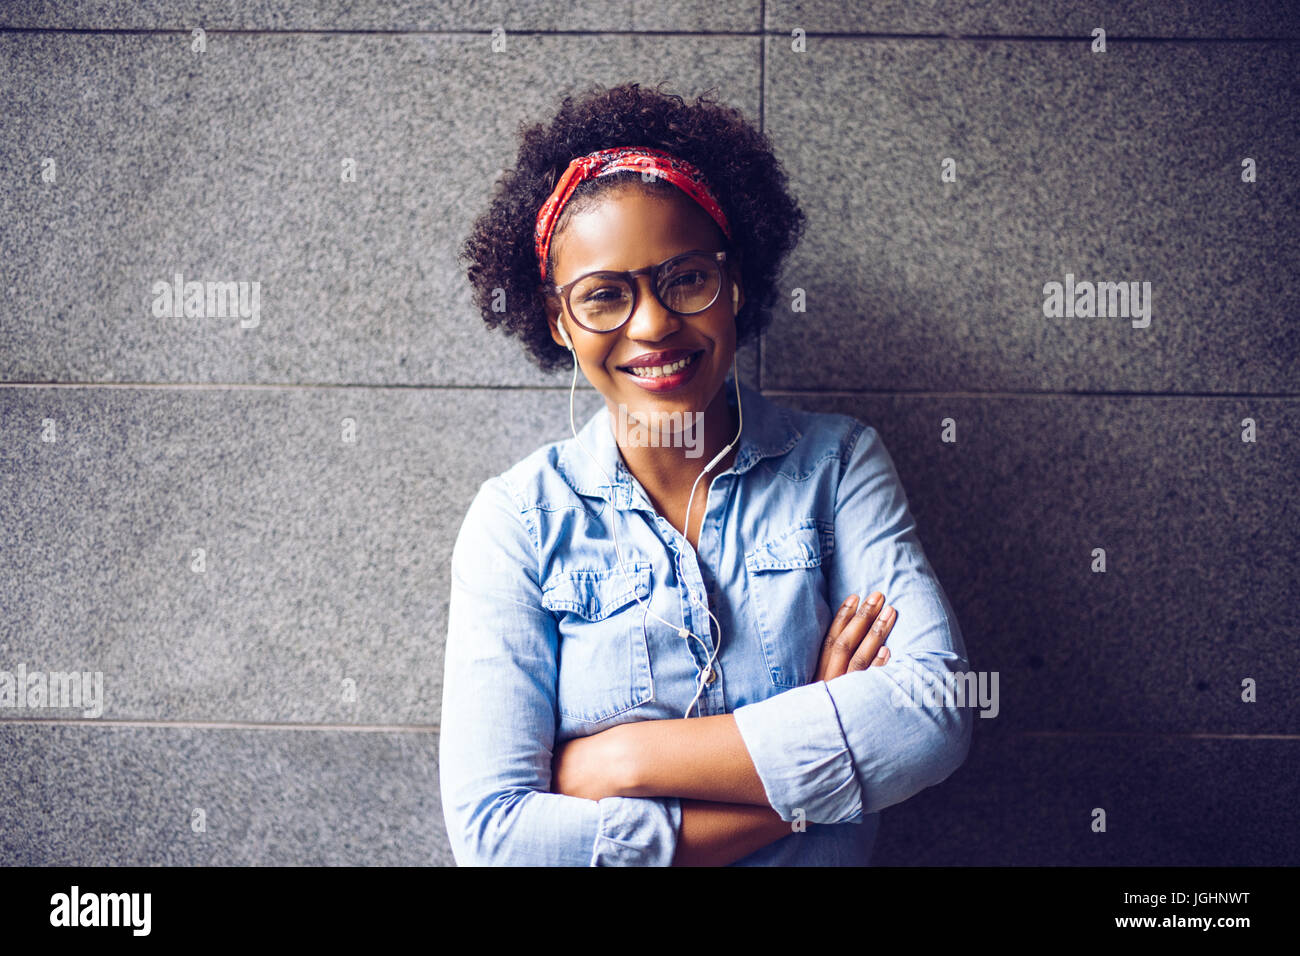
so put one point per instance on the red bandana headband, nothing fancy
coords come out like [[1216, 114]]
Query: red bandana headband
[[644, 159]]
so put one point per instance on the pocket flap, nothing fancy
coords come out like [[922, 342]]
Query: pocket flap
[[596, 594], [806, 545]]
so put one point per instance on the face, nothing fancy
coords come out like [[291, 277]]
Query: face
[[629, 229]]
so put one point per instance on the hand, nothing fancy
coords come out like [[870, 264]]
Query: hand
[[849, 645], [588, 767]]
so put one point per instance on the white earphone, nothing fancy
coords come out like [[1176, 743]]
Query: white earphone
[[682, 632]]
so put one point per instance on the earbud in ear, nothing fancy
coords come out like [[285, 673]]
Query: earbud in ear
[[568, 344]]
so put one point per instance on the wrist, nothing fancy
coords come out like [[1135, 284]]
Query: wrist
[[626, 765]]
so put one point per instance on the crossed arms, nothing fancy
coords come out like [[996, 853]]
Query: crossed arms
[[705, 790]]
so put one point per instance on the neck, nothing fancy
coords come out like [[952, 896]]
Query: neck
[[667, 457]]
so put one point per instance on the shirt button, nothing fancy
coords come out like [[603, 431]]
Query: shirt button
[[710, 676]]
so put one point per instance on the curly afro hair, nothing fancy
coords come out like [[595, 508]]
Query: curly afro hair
[[735, 158]]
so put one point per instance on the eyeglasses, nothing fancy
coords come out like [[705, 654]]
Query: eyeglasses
[[685, 284]]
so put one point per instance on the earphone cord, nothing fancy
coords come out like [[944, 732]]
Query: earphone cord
[[682, 632]]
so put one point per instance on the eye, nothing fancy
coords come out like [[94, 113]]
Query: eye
[[603, 294], [683, 280]]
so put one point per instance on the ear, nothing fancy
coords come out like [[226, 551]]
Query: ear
[[733, 272], [551, 303]]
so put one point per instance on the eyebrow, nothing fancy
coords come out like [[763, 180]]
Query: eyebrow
[[683, 252]]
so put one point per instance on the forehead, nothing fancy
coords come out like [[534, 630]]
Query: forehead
[[629, 228]]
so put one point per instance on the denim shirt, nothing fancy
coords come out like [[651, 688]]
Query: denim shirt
[[547, 641]]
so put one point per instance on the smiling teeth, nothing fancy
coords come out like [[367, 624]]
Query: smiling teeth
[[659, 371]]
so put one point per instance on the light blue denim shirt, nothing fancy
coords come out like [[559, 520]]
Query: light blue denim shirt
[[547, 641]]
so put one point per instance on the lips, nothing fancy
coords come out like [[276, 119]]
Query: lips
[[653, 378], [659, 359]]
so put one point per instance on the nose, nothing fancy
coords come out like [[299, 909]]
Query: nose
[[651, 320]]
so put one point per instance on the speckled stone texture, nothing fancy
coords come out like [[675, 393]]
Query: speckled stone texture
[[105, 795], [711, 16], [227, 166], [1202, 19], [325, 562], [1200, 580], [1110, 167], [1168, 801]]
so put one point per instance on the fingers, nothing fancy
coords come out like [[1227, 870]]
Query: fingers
[[870, 651], [839, 648], [842, 617]]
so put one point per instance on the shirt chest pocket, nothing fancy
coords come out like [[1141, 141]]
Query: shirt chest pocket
[[604, 657], [787, 595]]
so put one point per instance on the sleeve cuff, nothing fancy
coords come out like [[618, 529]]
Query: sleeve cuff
[[636, 831], [800, 753]]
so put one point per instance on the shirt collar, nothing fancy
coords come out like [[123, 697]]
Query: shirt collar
[[768, 431]]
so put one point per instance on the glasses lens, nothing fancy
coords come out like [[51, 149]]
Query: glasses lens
[[601, 302], [689, 284]]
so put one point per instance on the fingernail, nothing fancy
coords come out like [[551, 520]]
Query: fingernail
[[876, 598]]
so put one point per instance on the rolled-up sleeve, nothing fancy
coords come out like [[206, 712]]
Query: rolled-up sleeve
[[833, 751], [499, 718]]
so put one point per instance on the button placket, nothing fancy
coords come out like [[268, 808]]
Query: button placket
[[690, 585], [714, 689], [712, 698], [710, 536], [695, 599]]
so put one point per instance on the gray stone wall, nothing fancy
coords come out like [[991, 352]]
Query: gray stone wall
[[181, 511]]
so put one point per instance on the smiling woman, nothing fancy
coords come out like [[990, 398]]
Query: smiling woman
[[636, 674]]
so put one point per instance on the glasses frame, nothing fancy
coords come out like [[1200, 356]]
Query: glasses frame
[[719, 259]]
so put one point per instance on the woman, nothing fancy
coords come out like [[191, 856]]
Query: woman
[[637, 674]]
